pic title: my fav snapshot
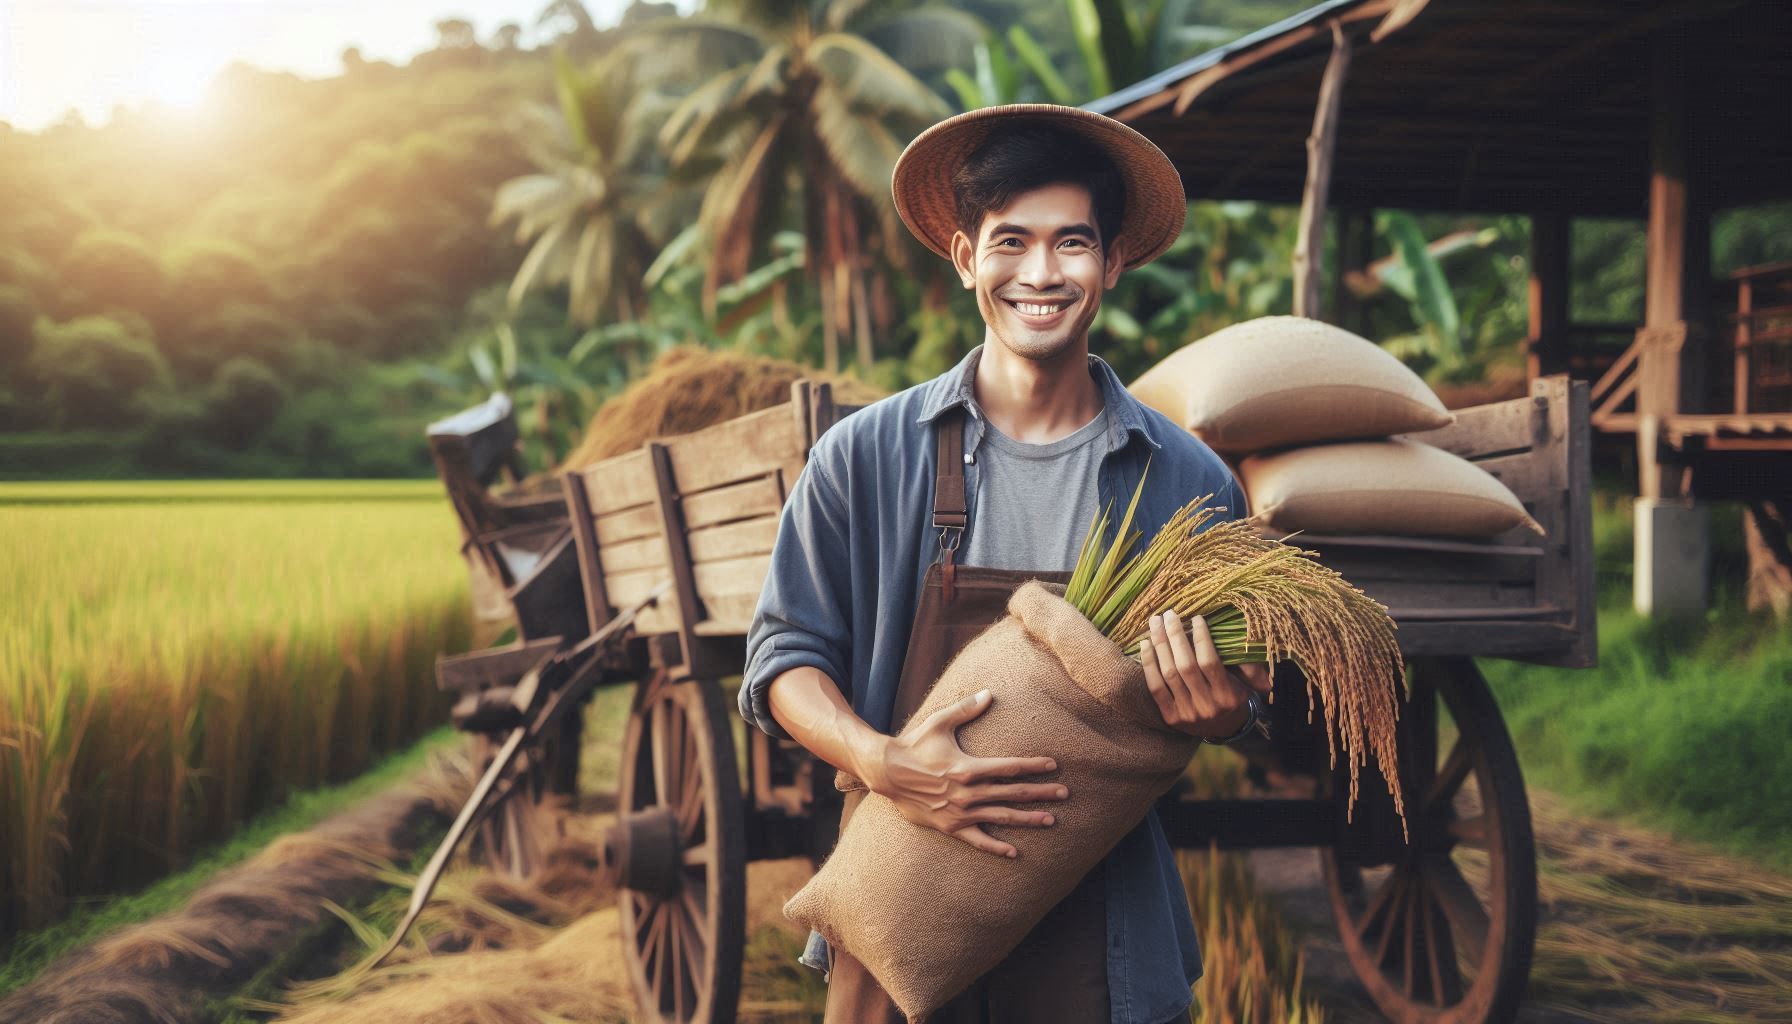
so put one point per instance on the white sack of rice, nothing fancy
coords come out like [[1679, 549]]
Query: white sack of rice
[[1287, 380], [1386, 486]]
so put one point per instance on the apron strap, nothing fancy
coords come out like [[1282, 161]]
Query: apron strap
[[949, 510]]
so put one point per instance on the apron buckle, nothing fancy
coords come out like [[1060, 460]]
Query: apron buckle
[[947, 588]]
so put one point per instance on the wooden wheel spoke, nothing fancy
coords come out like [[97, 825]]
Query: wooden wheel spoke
[[1450, 777], [690, 806], [642, 911], [698, 856], [698, 916], [679, 968], [678, 755], [1409, 924], [1468, 919], [658, 751], [1378, 904], [656, 929], [694, 945], [1446, 982], [1395, 903], [1469, 831]]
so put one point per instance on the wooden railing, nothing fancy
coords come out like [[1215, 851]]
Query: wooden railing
[[1761, 333]]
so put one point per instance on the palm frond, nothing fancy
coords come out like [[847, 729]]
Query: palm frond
[[857, 145], [868, 79], [690, 121], [538, 200], [1034, 57], [551, 250], [678, 48], [672, 255], [731, 211], [590, 270], [928, 39]]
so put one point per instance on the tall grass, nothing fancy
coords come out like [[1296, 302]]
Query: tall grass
[[1683, 724], [175, 657]]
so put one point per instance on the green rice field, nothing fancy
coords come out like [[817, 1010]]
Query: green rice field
[[175, 657]]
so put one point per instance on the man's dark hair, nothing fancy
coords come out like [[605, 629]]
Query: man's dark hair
[[1014, 159]]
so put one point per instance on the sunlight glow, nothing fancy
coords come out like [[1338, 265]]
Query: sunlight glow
[[93, 56]]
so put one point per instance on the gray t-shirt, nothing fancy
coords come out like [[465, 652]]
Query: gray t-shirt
[[1034, 502]]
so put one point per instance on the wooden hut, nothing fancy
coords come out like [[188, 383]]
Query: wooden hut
[[1663, 110]]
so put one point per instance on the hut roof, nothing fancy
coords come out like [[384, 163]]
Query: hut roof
[[1488, 105]]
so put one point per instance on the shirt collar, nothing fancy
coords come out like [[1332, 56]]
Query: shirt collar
[[1126, 415]]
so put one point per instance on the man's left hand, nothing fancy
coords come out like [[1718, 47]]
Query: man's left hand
[[1194, 691]]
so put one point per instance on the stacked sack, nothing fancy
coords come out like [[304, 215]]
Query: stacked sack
[[1305, 411]]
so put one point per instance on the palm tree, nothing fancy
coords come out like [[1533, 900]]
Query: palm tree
[[820, 105], [600, 205]]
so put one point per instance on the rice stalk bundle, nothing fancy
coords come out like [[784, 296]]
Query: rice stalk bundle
[[1263, 601]]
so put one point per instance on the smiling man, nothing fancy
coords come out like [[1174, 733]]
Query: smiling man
[[916, 518]]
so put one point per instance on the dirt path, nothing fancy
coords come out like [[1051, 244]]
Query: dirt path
[[1634, 927]]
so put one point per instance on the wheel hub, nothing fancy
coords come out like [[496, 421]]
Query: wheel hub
[[642, 849]]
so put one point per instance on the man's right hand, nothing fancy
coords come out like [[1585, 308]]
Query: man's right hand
[[936, 784]]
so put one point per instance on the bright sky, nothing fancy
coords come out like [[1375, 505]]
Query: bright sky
[[93, 54]]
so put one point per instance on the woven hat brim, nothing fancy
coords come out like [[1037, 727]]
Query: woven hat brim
[[921, 186]]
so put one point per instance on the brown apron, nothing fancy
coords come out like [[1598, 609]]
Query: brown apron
[[1059, 971]]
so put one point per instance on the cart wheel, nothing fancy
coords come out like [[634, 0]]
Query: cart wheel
[[1441, 931], [681, 854], [509, 836]]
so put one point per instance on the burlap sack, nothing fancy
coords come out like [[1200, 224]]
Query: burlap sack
[[1286, 380], [928, 914], [1394, 485]]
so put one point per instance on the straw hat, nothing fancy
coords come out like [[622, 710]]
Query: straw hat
[[922, 183]]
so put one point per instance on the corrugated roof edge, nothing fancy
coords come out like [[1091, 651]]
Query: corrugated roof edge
[[1148, 86]]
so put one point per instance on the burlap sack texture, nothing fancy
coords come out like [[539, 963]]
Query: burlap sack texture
[[928, 914], [1285, 380], [1395, 485]]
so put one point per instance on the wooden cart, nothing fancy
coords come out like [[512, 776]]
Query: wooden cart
[[671, 545]]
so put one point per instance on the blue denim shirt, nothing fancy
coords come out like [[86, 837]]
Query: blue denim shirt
[[854, 542]]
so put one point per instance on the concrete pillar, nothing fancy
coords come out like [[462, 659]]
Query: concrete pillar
[[1673, 556]]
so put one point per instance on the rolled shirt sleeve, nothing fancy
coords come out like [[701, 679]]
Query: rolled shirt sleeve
[[804, 614]]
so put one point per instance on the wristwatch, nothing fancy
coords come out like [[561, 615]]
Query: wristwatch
[[1254, 701]]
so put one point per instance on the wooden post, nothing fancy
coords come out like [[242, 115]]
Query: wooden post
[[1745, 333], [1672, 340], [1672, 554], [1309, 245], [1546, 346]]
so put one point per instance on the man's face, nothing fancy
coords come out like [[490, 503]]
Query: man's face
[[1039, 270]]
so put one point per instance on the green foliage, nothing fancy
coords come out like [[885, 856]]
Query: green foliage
[[18, 311], [109, 269], [96, 371], [1683, 723], [245, 398], [234, 329], [212, 272]]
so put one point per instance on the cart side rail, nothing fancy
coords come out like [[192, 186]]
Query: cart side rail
[[1516, 595], [702, 510]]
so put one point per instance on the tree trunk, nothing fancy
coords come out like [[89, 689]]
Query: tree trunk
[[1765, 523], [861, 320], [830, 338]]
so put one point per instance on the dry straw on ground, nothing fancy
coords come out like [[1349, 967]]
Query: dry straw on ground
[[689, 388], [165, 969]]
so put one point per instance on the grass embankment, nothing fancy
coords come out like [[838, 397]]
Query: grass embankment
[[175, 657], [1683, 724], [31, 953]]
